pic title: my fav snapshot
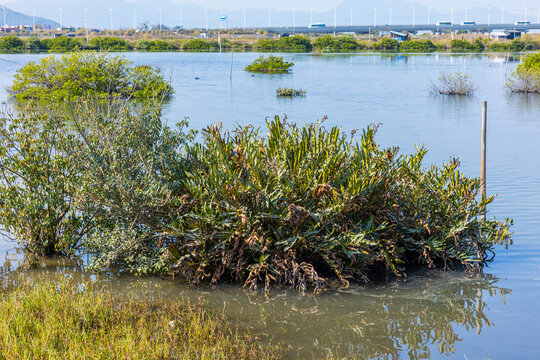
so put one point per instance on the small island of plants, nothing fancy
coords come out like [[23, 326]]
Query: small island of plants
[[290, 92], [88, 73], [269, 64], [453, 83], [526, 78]]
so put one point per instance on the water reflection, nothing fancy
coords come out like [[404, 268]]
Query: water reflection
[[415, 319]]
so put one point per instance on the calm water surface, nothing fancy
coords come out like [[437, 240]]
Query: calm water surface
[[436, 315]]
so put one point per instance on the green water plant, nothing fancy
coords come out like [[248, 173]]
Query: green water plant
[[38, 184], [304, 204], [83, 74], [57, 320], [290, 92], [269, 64], [526, 78]]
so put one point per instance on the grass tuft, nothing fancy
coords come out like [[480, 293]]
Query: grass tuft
[[61, 321]]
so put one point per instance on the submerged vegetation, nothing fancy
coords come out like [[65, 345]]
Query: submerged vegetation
[[61, 321], [526, 78], [269, 64], [88, 73], [290, 92], [453, 83]]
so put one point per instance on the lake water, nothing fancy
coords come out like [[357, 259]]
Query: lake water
[[474, 316]]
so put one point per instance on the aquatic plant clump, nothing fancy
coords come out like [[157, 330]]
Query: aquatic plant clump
[[55, 320], [85, 74], [303, 205], [453, 83], [526, 78], [290, 92], [270, 64]]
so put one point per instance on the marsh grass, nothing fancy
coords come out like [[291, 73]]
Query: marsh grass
[[453, 83], [56, 320]]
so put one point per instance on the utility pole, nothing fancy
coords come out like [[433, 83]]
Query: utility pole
[[466, 13], [160, 19], [526, 13], [335, 20], [112, 28], [413, 16], [85, 24], [33, 19], [244, 19], [390, 17], [502, 15], [489, 15], [452, 15], [351, 17], [135, 19], [61, 25], [5, 27], [311, 20], [269, 17], [429, 16], [294, 21], [374, 17], [180, 19], [206, 18]]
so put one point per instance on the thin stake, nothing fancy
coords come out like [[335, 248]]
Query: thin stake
[[483, 163], [230, 67]]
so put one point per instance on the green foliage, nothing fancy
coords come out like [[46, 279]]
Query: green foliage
[[302, 204], [461, 45], [11, 43], [33, 43], [295, 43], [61, 44], [56, 320], [335, 44], [153, 45], [199, 45], [132, 179], [270, 64], [87, 73], [38, 184], [526, 78], [417, 46], [290, 92], [107, 43], [266, 44], [478, 45], [386, 44]]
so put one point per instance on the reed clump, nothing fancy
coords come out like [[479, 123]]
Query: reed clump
[[526, 78], [453, 83], [56, 320], [290, 92]]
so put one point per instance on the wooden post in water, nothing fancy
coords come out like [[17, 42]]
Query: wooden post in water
[[483, 163]]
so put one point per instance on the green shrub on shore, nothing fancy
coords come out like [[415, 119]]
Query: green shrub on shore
[[270, 64], [386, 44], [335, 44], [61, 321], [87, 73], [108, 43], [417, 46], [11, 43], [526, 78], [62, 44]]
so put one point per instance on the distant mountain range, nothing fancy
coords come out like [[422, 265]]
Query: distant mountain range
[[124, 14], [17, 18]]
